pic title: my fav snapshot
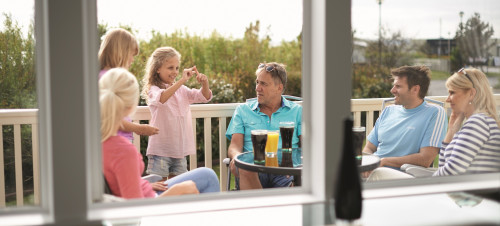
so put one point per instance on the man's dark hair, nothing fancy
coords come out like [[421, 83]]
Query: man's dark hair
[[415, 75]]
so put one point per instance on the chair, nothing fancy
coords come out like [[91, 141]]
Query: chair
[[418, 171], [227, 161], [108, 195]]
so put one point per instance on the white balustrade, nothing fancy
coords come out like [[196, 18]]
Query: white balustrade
[[18, 117]]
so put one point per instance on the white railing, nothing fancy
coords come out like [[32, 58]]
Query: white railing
[[18, 117]]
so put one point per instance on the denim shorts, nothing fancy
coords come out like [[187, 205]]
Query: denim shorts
[[269, 180], [165, 166]]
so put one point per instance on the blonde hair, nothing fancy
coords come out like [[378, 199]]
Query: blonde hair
[[155, 61], [118, 96], [483, 101], [115, 48]]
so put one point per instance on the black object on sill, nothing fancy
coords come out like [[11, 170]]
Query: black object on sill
[[347, 196]]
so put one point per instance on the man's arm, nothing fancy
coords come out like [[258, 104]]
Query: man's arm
[[423, 158], [369, 148], [236, 145], [248, 180]]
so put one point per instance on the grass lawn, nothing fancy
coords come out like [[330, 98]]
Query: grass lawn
[[216, 168], [439, 75], [443, 75]]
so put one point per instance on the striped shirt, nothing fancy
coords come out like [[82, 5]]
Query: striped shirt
[[473, 149]]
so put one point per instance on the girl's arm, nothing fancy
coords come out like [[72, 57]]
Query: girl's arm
[[186, 75], [141, 129]]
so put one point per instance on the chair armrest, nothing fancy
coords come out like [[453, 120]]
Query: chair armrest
[[152, 178], [107, 198], [418, 171]]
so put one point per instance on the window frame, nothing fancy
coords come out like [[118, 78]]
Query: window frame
[[68, 196]]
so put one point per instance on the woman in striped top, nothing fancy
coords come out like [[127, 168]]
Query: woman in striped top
[[473, 147]]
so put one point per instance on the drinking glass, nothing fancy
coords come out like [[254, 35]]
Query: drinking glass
[[358, 137], [259, 139], [272, 148], [286, 132]]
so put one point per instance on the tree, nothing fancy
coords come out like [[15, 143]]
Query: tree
[[17, 90], [17, 71], [396, 50], [472, 40]]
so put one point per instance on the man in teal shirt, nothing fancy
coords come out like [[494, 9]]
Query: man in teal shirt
[[266, 112]]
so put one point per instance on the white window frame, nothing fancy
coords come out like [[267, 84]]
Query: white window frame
[[66, 67]]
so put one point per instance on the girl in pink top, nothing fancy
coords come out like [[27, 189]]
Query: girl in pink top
[[122, 163], [118, 49], [169, 101]]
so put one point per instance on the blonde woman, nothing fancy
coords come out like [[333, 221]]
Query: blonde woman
[[118, 49], [122, 163], [473, 147]]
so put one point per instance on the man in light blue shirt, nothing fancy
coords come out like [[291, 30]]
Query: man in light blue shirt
[[265, 112], [411, 131]]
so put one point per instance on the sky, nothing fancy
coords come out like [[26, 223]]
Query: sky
[[280, 19]]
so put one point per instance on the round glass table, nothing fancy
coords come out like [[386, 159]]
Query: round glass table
[[245, 161]]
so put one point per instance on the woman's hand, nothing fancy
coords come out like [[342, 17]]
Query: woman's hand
[[454, 125], [159, 186], [184, 188]]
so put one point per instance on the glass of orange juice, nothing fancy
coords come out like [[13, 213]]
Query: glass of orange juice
[[272, 148]]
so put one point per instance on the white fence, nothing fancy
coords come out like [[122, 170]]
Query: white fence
[[207, 112]]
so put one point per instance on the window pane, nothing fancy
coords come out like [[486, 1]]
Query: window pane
[[225, 43], [443, 35], [19, 174]]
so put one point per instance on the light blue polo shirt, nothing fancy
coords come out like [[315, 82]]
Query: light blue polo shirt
[[400, 132], [248, 117]]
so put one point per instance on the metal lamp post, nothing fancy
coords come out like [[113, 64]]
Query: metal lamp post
[[379, 32]]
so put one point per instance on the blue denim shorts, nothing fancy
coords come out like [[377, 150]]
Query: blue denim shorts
[[165, 166], [269, 181]]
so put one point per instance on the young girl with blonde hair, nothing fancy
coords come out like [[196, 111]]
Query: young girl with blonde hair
[[169, 101], [118, 49], [122, 163]]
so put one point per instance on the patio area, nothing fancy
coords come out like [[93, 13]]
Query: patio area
[[363, 110]]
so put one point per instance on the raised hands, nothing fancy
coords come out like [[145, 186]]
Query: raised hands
[[188, 73]]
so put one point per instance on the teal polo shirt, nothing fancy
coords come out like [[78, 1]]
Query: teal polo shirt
[[248, 117]]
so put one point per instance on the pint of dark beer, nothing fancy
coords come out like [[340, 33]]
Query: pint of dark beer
[[286, 132], [259, 139], [358, 137]]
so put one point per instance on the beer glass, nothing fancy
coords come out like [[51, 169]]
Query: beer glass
[[272, 148], [358, 136], [259, 139], [286, 132]]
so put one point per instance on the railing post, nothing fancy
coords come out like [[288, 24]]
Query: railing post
[[222, 153], [193, 161], [207, 132], [2, 172], [18, 165], [36, 163]]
